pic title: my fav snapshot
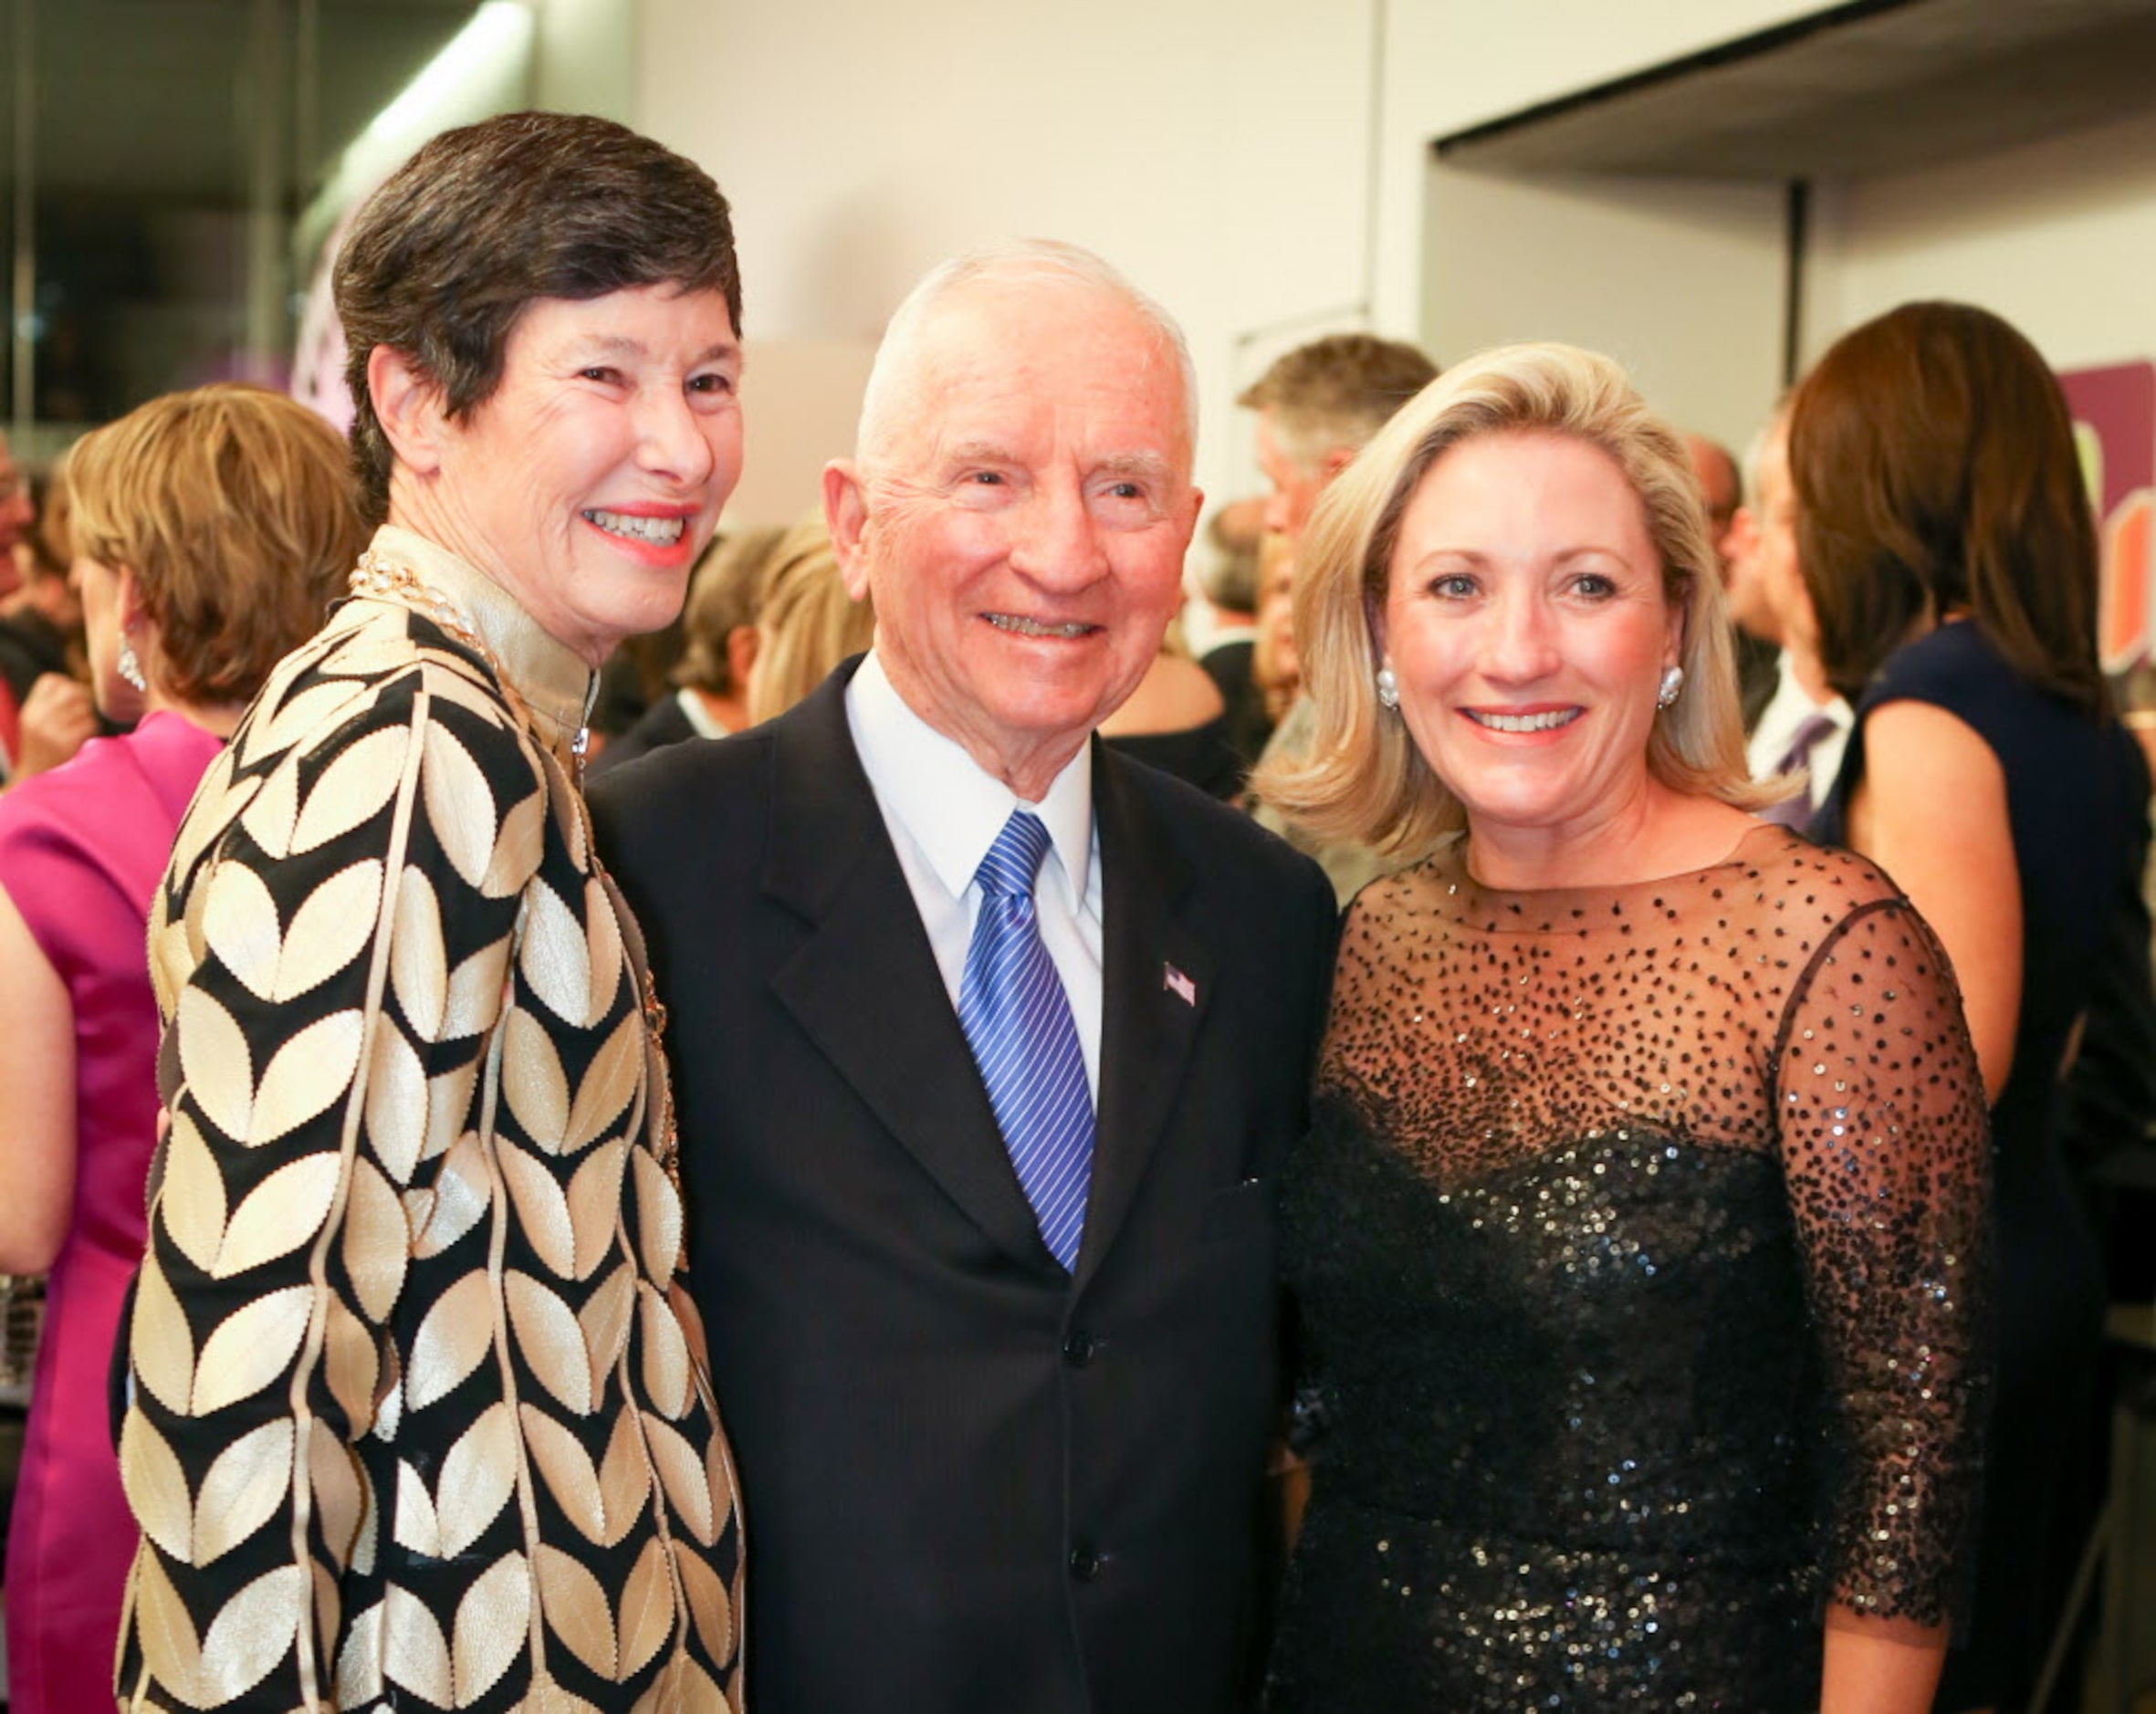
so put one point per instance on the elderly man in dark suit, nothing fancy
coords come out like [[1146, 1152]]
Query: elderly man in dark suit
[[990, 1045]]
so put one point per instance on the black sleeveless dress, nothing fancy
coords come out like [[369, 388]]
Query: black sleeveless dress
[[2076, 803], [1639, 1246]]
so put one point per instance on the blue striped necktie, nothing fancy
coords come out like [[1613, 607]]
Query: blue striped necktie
[[1017, 1020]]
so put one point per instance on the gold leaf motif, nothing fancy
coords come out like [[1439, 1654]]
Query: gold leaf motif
[[459, 804], [604, 1320], [365, 653], [685, 1687], [350, 1364], [418, 961], [658, 1217], [370, 1535], [359, 1662], [213, 1059], [415, 1654], [283, 1212], [546, 1697], [156, 1486], [603, 929], [170, 961], [169, 1647], [243, 1490], [532, 1082], [328, 1606], [329, 930], [449, 680], [710, 1607], [397, 1106], [306, 1076], [334, 1475], [448, 1108], [624, 1479], [217, 804], [317, 706], [610, 1080], [453, 1340], [595, 1205], [518, 850], [376, 1240], [493, 1623], [550, 1341], [251, 1632], [252, 1347], [555, 960], [193, 1198], [417, 1528], [239, 925], [476, 992], [576, 1609], [477, 1473], [160, 1346], [464, 1192], [666, 1355], [566, 1470], [541, 1208], [271, 816], [647, 1610], [682, 1473], [358, 783], [718, 1470], [576, 830]]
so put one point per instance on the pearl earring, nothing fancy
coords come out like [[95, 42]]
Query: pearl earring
[[1673, 686], [128, 666], [1389, 687]]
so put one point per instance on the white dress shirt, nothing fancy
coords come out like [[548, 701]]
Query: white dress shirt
[[1779, 722], [943, 812]]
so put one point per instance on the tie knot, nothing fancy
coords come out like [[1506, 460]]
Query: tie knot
[[1015, 858]]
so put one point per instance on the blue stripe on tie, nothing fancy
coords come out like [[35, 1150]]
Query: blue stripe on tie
[[1017, 1020]]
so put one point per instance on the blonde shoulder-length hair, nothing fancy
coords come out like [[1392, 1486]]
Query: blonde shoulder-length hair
[[1362, 779]]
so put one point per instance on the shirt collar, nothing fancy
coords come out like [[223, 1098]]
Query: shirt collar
[[553, 679], [953, 809]]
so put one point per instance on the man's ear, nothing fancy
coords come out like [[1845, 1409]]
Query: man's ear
[[845, 514], [408, 404], [1336, 460]]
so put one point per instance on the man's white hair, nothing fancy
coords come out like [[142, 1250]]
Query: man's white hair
[[890, 393]]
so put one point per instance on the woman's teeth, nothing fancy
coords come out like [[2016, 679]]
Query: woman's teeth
[[661, 531], [1524, 723]]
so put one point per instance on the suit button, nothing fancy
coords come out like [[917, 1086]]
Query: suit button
[[1085, 1565], [1078, 1348]]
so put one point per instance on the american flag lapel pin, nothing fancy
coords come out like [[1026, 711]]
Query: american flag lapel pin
[[1180, 985]]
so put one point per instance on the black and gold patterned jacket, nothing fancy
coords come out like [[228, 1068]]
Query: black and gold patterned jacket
[[413, 1422]]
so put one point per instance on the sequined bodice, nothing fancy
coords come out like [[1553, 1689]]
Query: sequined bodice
[[1633, 1247]]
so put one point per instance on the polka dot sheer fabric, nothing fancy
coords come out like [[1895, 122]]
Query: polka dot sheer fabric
[[1640, 1246]]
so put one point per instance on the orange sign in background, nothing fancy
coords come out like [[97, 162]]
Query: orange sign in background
[[2114, 411]]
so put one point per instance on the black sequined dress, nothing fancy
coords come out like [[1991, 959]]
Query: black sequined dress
[[1639, 1246]]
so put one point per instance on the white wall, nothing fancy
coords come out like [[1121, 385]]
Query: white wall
[[1214, 149], [586, 59], [2060, 238]]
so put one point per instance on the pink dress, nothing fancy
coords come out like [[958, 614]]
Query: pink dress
[[81, 849]]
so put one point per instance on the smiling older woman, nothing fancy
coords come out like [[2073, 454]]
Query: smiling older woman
[[412, 1411], [1646, 1186]]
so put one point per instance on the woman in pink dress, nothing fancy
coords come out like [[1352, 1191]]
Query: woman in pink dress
[[210, 530]]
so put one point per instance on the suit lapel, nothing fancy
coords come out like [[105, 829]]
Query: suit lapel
[[865, 983], [1156, 982]]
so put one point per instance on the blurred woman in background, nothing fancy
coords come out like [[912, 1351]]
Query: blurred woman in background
[[1945, 537], [210, 530]]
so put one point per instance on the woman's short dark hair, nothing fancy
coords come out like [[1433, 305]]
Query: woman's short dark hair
[[485, 220], [1933, 460]]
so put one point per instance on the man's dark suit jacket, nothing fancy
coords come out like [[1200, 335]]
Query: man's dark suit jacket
[[974, 1484]]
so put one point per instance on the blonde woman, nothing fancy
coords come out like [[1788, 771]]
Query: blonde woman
[[1645, 1196], [209, 531]]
